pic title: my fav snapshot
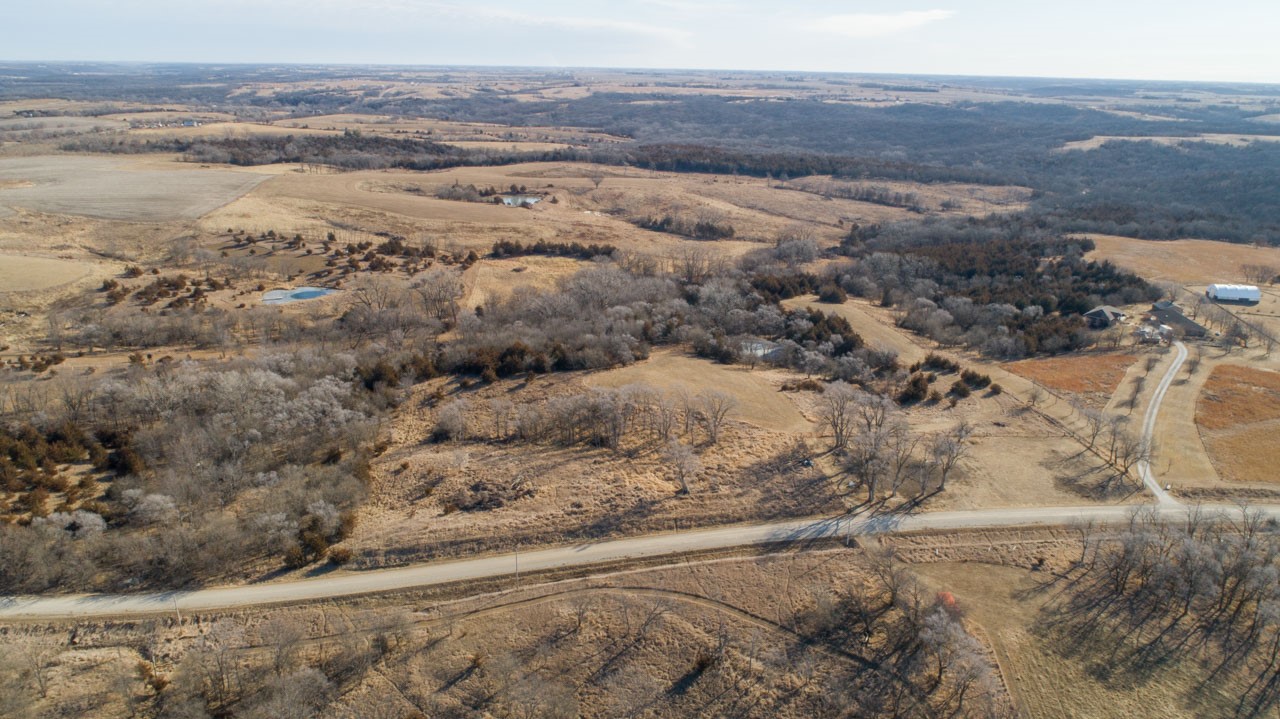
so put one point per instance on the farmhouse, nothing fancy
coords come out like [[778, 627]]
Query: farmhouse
[[1233, 293], [1102, 317]]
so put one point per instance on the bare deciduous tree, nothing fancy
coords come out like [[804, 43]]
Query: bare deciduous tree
[[439, 290], [837, 412], [946, 451], [714, 407], [683, 461], [502, 409]]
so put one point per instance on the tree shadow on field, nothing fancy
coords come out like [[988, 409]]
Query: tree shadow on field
[[1077, 475]]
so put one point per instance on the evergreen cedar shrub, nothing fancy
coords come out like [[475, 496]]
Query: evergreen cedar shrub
[[514, 248], [916, 389], [775, 288], [832, 294]]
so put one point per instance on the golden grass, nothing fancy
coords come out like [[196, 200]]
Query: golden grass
[[759, 400], [1187, 261], [1234, 140], [491, 279], [1048, 681], [1082, 374], [1248, 454], [24, 274]]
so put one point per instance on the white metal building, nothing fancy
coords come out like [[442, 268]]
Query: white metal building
[[1234, 293]]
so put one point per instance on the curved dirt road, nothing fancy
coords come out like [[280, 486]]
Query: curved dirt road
[[346, 584]]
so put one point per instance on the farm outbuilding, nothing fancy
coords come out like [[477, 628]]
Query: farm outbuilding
[[1167, 317], [1234, 293]]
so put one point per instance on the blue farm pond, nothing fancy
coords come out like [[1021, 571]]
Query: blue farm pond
[[282, 297]]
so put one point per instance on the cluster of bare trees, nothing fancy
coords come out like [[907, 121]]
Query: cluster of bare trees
[[632, 418], [880, 449], [1110, 437], [1259, 273], [1201, 590], [918, 660], [247, 459]]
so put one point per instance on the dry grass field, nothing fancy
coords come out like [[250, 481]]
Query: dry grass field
[[492, 279], [1195, 262], [1235, 396], [1045, 674], [1239, 415], [633, 642], [113, 188], [1094, 143], [759, 401], [24, 273], [1095, 376], [404, 202], [873, 324]]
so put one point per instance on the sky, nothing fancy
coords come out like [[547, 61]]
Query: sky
[[1226, 40]]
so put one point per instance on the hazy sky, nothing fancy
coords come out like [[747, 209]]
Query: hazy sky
[[1143, 39]]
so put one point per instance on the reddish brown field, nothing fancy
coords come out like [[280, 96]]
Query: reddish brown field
[[1238, 415], [1235, 396], [1080, 374]]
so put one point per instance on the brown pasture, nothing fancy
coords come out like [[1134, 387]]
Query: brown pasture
[[1184, 261], [1239, 414], [1093, 374]]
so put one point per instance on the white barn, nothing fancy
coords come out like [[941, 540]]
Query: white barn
[[1234, 293]]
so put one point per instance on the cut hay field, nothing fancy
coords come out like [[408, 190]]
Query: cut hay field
[[219, 130], [1186, 261], [20, 273], [118, 189], [1239, 416]]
